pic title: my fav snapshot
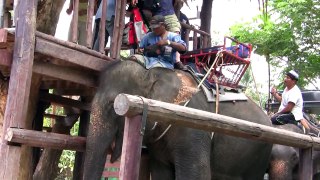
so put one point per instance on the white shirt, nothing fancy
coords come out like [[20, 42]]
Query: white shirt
[[293, 95]]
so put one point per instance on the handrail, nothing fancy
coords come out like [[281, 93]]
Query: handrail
[[248, 46], [130, 106], [187, 26]]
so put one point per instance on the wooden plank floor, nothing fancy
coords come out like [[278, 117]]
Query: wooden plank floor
[[67, 67]]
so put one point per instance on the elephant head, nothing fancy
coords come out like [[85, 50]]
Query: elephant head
[[284, 161]]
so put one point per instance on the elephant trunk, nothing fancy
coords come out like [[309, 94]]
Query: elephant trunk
[[280, 170], [102, 131]]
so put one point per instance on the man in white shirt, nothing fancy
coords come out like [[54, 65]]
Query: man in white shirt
[[290, 110]]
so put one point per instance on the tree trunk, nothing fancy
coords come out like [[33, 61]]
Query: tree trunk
[[48, 15], [205, 15], [47, 167]]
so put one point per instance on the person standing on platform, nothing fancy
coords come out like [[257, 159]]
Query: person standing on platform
[[82, 19], [110, 15]]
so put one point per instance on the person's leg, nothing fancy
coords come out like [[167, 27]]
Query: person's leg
[[173, 25], [109, 30], [274, 119], [95, 45], [139, 58], [82, 33], [279, 119]]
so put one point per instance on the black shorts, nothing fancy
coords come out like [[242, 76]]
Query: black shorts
[[279, 119]]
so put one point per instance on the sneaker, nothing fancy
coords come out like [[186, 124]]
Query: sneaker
[[179, 65]]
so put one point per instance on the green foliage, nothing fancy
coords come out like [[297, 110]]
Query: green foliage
[[288, 37], [67, 158], [247, 80], [66, 164]]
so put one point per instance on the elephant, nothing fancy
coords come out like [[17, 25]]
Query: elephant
[[284, 160], [181, 153]]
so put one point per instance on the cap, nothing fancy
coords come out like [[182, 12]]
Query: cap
[[293, 75], [156, 21]]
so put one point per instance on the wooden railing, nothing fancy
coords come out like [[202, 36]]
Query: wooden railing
[[132, 107], [203, 41]]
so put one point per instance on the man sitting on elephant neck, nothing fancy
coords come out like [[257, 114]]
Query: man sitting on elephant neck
[[159, 47], [290, 110]]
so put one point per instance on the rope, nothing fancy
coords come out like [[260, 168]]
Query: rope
[[256, 87], [166, 130], [219, 55]]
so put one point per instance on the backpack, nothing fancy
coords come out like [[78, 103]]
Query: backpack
[[135, 29]]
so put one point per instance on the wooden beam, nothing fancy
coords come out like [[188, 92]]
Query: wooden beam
[[55, 71], [6, 39], [70, 55], [190, 27], [61, 84], [19, 87], [66, 102], [118, 28], [54, 116], [75, 92], [130, 106], [80, 48], [45, 139], [65, 73]]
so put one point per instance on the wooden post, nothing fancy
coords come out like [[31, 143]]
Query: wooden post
[[74, 25], [204, 41], [187, 37], [90, 13], [118, 28], [83, 128], [19, 86], [2, 12], [195, 40], [102, 28], [305, 164], [131, 149]]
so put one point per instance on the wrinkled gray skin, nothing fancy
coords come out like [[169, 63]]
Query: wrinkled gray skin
[[183, 153], [284, 161]]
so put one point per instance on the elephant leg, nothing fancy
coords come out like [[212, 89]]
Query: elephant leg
[[160, 171], [192, 161]]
